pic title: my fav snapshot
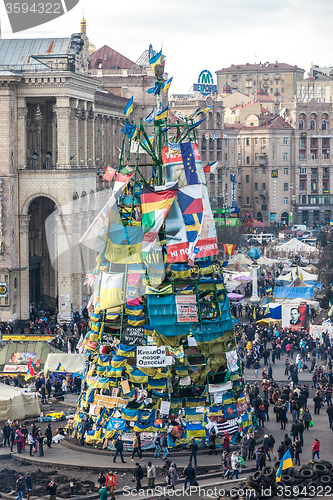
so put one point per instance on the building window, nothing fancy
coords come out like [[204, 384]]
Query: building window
[[239, 157], [247, 179], [282, 90], [264, 141], [301, 156], [256, 186], [285, 141], [302, 186], [247, 160], [247, 200], [239, 171], [239, 186], [323, 124], [225, 156], [263, 170], [256, 157], [256, 171], [285, 171], [256, 141], [271, 91], [312, 125], [285, 186], [247, 141], [300, 124], [239, 142], [256, 201], [239, 200], [285, 200], [285, 156], [226, 142], [302, 170]]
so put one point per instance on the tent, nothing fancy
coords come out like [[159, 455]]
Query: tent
[[67, 363], [295, 245], [239, 258], [16, 403], [265, 261], [298, 271], [40, 349], [274, 310], [293, 292], [235, 296]]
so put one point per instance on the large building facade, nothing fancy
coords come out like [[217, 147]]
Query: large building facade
[[58, 130], [278, 80]]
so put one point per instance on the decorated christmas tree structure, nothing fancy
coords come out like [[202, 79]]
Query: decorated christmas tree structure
[[161, 352]]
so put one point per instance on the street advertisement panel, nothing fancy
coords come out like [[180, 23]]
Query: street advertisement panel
[[294, 316]]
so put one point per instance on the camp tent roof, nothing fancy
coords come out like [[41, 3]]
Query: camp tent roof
[[16, 403], [240, 259], [297, 283], [41, 348], [295, 245], [70, 363], [265, 261]]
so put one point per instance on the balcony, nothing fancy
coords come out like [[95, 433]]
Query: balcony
[[325, 161], [263, 160], [262, 192], [234, 78], [326, 191], [314, 177], [249, 78], [276, 77], [265, 85], [314, 161], [276, 92]]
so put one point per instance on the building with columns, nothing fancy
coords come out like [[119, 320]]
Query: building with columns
[[58, 130]]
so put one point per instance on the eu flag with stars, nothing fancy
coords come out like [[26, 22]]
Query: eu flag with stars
[[187, 151]]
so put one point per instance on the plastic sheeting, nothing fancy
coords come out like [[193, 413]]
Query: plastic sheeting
[[71, 363], [16, 404], [287, 292]]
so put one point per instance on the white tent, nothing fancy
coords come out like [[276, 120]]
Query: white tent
[[16, 403], [239, 258], [298, 272], [69, 363], [265, 261], [295, 245]]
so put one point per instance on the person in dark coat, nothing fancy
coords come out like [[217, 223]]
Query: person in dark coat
[[189, 474], [283, 417], [287, 441], [329, 412], [211, 443], [6, 434], [40, 439], [19, 488], [28, 485], [298, 449], [281, 450], [252, 446], [119, 445], [48, 434], [138, 476], [317, 403], [193, 451]]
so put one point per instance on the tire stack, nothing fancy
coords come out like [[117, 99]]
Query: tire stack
[[317, 475]]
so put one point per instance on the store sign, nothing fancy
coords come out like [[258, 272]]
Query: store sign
[[275, 174], [150, 356], [205, 83], [212, 137], [187, 311]]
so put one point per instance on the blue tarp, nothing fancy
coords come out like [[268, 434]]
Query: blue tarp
[[163, 317], [298, 292]]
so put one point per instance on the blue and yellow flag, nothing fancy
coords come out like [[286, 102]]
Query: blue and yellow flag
[[266, 310], [285, 463], [162, 114], [166, 84], [330, 312], [155, 90], [129, 107]]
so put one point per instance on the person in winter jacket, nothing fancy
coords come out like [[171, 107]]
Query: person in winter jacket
[[235, 465], [226, 465], [173, 476], [6, 434], [298, 449], [136, 448], [316, 449], [119, 445], [193, 451], [211, 443], [157, 442], [189, 474], [48, 434], [138, 475], [31, 442], [111, 483], [271, 445], [19, 438], [329, 412], [226, 442], [307, 418], [19, 488], [165, 445], [252, 446], [281, 450], [266, 446], [28, 485], [317, 403], [244, 447], [151, 475]]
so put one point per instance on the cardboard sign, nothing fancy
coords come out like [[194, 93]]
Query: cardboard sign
[[165, 408], [133, 335], [150, 356], [187, 310]]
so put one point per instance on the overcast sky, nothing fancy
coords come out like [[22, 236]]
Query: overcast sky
[[202, 34]]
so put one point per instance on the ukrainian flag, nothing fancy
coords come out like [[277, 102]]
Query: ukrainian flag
[[285, 463], [129, 107], [167, 84], [162, 114]]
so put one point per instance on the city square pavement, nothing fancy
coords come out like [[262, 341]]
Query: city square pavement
[[83, 458]]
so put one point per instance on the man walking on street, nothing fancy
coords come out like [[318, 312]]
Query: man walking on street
[[329, 412], [119, 445], [19, 488], [48, 434], [189, 474], [28, 485]]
